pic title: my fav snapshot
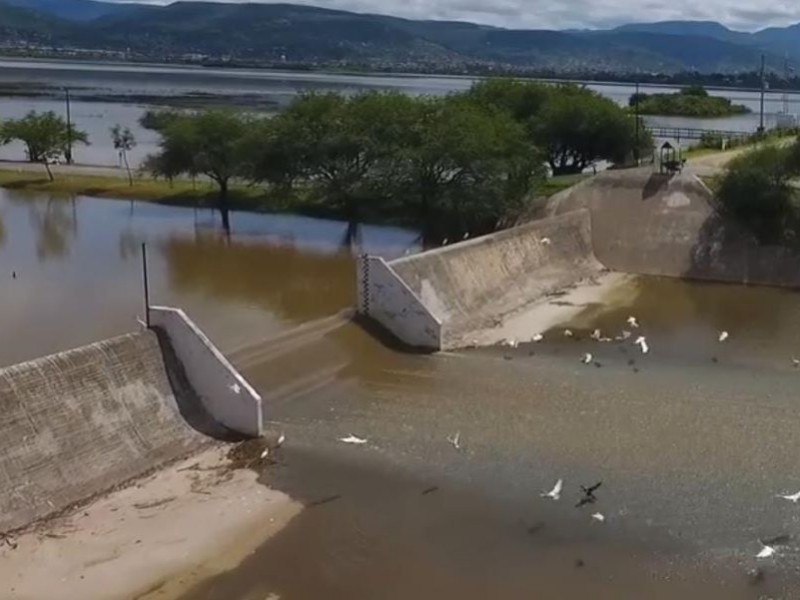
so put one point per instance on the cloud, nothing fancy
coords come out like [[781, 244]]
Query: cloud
[[563, 14]]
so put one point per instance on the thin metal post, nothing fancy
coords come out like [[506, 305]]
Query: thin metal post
[[763, 86], [68, 149], [146, 287], [636, 107]]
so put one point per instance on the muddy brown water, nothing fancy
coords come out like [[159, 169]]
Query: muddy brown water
[[691, 450]]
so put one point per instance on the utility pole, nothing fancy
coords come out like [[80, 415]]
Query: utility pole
[[68, 149], [636, 112], [763, 86]]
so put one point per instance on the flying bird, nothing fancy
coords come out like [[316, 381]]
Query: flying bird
[[567, 333], [235, 388], [599, 517], [351, 439], [588, 494], [633, 322], [555, 493], [537, 338], [766, 551], [455, 439], [625, 335], [791, 497], [796, 362], [466, 235], [587, 358], [641, 341], [723, 336], [511, 343], [596, 335], [444, 242]]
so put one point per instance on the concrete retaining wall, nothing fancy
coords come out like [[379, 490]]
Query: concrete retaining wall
[[224, 393], [476, 284], [652, 224], [386, 298], [80, 422]]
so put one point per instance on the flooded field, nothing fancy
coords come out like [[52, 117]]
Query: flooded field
[[691, 442]]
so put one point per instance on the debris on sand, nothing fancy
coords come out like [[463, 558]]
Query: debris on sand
[[430, 490], [153, 503], [249, 453]]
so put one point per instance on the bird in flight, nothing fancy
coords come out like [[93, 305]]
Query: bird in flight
[[596, 335], [633, 322], [791, 497], [599, 517], [555, 493], [455, 439], [723, 335], [537, 338], [796, 362], [641, 341], [587, 358], [766, 551], [588, 494], [567, 333], [351, 439]]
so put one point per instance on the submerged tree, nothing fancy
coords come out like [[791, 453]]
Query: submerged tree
[[124, 141], [45, 135], [207, 143]]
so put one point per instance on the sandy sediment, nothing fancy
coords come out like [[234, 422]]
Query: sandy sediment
[[155, 538]]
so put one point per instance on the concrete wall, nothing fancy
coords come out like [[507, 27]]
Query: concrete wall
[[223, 392], [386, 298], [652, 224], [80, 422], [476, 284]]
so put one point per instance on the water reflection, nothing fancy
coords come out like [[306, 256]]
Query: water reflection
[[79, 270]]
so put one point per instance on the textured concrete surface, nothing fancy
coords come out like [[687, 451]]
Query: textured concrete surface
[[387, 298], [222, 391], [80, 422], [652, 224], [476, 285]]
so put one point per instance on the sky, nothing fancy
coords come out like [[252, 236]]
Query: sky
[[746, 15]]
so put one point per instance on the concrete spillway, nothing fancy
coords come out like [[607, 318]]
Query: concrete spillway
[[78, 423], [624, 222], [82, 421]]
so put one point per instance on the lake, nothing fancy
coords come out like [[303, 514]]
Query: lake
[[105, 94]]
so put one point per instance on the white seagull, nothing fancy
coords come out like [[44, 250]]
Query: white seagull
[[351, 439], [641, 341], [567, 333], [281, 439], [265, 453], [555, 493], [796, 362], [633, 322], [537, 338], [455, 439], [596, 335], [235, 388], [723, 335], [791, 497], [766, 551], [587, 358], [599, 517], [545, 241], [511, 342]]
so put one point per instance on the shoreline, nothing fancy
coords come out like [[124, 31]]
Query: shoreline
[[157, 537]]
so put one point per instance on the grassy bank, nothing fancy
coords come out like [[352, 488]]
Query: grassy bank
[[203, 194]]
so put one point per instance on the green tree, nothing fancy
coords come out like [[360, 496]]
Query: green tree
[[757, 192], [577, 128], [697, 91], [124, 141], [45, 136], [208, 143], [522, 100]]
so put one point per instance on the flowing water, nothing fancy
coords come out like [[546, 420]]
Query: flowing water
[[691, 441]]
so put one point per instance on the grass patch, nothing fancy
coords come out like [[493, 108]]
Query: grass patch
[[559, 183]]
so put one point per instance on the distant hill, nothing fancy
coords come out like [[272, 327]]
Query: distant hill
[[306, 34]]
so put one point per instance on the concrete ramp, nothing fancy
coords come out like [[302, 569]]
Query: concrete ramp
[[474, 286], [80, 422], [652, 224]]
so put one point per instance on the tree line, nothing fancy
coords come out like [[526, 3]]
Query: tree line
[[464, 163]]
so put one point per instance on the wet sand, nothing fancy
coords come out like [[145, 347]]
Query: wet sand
[[151, 538]]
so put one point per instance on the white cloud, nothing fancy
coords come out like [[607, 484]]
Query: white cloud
[[562, 14]]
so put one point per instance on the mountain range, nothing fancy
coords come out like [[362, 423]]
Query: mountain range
[[298, 34]]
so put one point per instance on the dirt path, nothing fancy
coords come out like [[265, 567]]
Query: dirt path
[[152, 539]]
